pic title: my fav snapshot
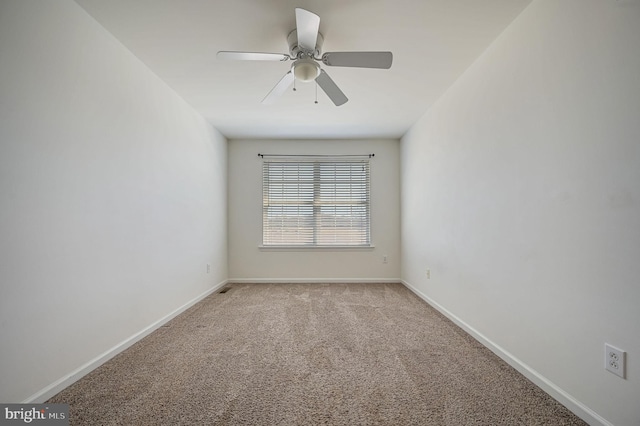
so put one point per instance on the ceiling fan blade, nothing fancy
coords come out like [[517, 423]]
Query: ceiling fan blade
[[358, 59], [307, 25], [251, 56], [279, 89], [331, 89]]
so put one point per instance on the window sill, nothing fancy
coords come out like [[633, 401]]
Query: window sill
[[316, 248]]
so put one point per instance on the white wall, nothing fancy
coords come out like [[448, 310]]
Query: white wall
[[113, 195], [248, 262], [521, 193]]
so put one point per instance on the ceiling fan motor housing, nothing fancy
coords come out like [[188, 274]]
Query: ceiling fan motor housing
[[296, 52]]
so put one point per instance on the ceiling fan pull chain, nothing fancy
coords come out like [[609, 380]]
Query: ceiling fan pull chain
[[294, 85], [316, 92]]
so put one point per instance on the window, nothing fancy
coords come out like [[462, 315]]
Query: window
[[318, 203]]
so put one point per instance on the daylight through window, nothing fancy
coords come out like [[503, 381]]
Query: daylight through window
[[316, 203]]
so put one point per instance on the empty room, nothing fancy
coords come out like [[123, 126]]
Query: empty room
[[410, 212]]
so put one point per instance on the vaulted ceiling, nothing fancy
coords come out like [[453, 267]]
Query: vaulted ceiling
[[433, 43]]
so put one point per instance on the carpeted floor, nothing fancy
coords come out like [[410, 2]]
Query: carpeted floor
[[310, 354]]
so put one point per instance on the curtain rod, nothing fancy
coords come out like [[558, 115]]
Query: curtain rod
[[321, 155]]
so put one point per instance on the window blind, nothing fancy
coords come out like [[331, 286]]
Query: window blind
[[316, 203]]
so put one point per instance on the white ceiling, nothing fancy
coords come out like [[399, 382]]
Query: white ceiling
[[433, 42]]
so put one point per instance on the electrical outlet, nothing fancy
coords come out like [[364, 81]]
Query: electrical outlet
[[384, 259], [614, 360], [428, 274], [208, 268]]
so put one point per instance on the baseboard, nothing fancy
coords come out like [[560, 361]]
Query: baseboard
[[51, 390], [312, 280], [579, 409]]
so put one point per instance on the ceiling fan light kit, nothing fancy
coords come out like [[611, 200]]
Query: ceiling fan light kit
[[306, 70], [305, 47]]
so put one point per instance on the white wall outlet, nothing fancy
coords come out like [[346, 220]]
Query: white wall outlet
[[428, 274], [208, 268], [614, 360], [384, 259]]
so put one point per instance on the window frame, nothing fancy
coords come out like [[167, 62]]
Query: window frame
[[317, 202]]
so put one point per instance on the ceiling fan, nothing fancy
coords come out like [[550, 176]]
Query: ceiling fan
[[305, 47]]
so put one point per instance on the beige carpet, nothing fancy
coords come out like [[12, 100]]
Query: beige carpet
[[310, 354]]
